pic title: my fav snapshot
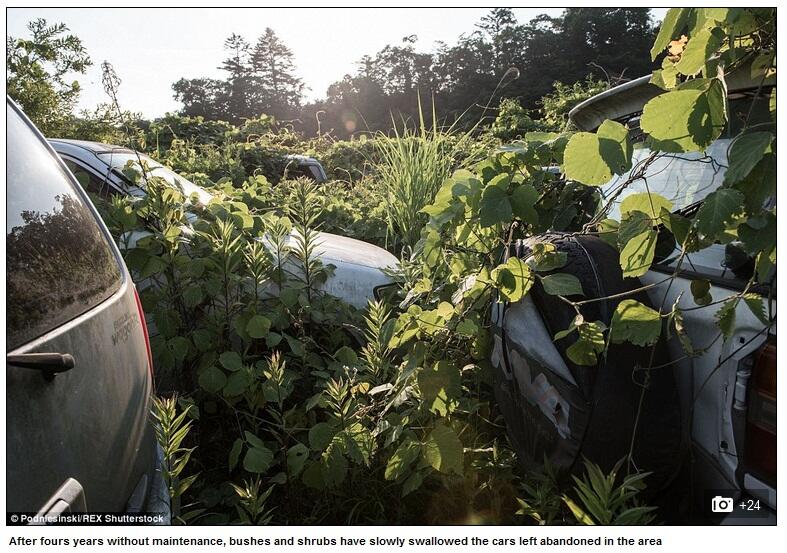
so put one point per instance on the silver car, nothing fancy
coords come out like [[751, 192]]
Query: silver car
[[359, 266], [721, 404], [78, 364]]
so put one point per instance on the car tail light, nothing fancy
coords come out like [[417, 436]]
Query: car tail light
[[145, 333], [760, 441]]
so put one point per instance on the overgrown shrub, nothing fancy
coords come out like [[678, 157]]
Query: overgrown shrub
[[299, 401]]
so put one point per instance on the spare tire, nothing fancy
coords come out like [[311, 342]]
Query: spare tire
[[591, 412]]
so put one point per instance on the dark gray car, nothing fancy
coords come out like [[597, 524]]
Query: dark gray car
[[78, 364]]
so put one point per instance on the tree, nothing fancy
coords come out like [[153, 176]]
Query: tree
[[613, 42], [36, 74], [203, 97], [279, 91], [505, 37], [238, 85]]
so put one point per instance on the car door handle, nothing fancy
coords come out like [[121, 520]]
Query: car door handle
[[69, 498], [48, 363]]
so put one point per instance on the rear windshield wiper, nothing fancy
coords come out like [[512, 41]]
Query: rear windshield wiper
[[48, 363]]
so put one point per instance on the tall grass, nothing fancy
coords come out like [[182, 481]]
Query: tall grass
[[413, 162]]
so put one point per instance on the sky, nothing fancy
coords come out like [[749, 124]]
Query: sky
[[151, 48]]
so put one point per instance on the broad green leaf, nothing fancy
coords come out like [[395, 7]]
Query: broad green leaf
[[440, 387], [196, 267], [758, 239], [699, 49], [765, 264], [289, 297], [687, 119], [467, 327], [359, 443], [589, 344], [636, 323], [665, 78], [296, 346], [312, 475], [760, 184], [700, 289], [578, 320], [258, 326], [636, 256], [746, 152], [523, 200], [320, 435], [633, 224], [334, 464], [231, 360], [650, 204], [257, 459], [443, 450], [608, 231], [545, 257], [402, 458], [562, 284], [235, 454], [593, 159], [444, 208], [212, 379], [756, 306], [672, 26], [513, 279], [237, 384], [346, 355], [152, 266], [296, 457], [718, 210], [725, 317], [180, 347], [495, 205], [253, 440], [679, 226], [432, 248], [273, 339], [192, 295], [412, 483]]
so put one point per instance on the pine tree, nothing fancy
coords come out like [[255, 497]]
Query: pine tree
[[239, 104], [278, 91]]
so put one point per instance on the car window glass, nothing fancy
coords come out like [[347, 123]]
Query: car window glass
[[118, 161], [89, 182], [59, 263]]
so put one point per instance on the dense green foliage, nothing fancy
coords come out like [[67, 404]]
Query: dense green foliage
[[305, 410], [36, 72]]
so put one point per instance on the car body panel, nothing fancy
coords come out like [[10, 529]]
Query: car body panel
[[359, 266], [90, 423], [713, 387]]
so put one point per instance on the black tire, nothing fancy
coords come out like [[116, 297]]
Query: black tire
[[609, 394]]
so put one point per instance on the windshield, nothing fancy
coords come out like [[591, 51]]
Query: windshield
[[684, 179], [687, 178], [118, 160]]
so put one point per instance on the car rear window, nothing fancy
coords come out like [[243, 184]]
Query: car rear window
[[58, 261]]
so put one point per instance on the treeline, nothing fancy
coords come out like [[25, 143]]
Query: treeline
[[502, 58]]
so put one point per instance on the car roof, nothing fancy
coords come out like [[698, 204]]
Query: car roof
[[94, 147], [631, 97], [614, 103]]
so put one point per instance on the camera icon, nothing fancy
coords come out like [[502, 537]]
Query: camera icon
[[721, 504]]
